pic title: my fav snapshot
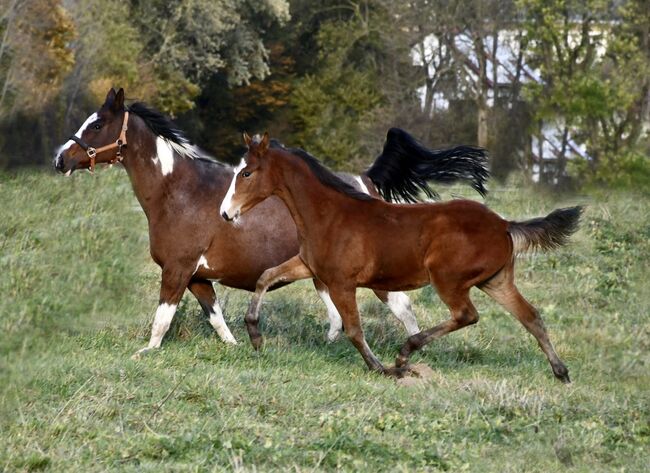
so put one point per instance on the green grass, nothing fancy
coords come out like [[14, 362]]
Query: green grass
[[78, 291]]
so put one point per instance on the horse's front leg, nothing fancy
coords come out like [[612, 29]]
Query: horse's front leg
[[291, 270], [346, 303], [173, 284]]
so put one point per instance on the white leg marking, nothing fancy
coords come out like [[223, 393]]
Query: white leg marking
[[78, 134], [336, 324], [227, 200], [400, 304], [219, 324], [201, 262], [364, 189], [164, 315], [164, 155]]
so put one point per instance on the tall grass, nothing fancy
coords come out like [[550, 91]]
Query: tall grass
[[78, 289]]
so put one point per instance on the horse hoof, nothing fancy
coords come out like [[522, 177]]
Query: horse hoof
[[333, 336], [401, 361], [228, 339], [257, 342], [562, 373], [140, 353], [397, 372]]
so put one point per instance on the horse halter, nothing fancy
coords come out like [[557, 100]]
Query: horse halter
[[118, 144]]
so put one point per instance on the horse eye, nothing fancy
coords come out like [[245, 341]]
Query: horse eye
[[97, 126], [246, 174]]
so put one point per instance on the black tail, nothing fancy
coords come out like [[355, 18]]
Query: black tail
[[405, 167], [544, 233]]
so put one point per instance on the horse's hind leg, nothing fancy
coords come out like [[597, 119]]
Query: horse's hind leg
[[204, 293], [336, 324], [463, 313], [502, 289], [400, 305]]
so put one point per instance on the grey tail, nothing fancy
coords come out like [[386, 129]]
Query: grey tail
[[544, 233]]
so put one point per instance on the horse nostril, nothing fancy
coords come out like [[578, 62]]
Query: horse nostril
[[225, 216]]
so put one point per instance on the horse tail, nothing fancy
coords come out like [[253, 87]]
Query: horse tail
[[544, 233], [405, 167]]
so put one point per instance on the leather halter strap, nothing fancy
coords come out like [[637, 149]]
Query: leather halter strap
[[117, 145]]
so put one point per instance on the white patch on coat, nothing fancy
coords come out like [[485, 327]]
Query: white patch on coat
[[219, 324], [400, 305], [364, 189], [78, 134], [164, 156], [336, 323], [227, 200], [201, 262]]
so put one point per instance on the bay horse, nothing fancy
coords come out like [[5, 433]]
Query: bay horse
[[175, 183], [350, 240]]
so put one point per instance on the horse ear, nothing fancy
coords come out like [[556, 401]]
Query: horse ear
[[247, 140], [118, 103], [264, 144], [110, 97]]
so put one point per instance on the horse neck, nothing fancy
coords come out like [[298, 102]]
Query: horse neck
[[145, 175], [312, 204]]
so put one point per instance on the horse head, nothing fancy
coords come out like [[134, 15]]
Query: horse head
[[252, 181], [99, 140]]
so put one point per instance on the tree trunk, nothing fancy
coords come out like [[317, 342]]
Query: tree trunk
[[561, 158], [482, 134]]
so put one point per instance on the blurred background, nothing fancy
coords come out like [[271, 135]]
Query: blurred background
[[557, 90]]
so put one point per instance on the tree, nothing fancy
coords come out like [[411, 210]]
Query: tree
[[580, 48], [34, 53], [186, 42]]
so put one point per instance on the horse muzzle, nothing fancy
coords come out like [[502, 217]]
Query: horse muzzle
[[59, 165]]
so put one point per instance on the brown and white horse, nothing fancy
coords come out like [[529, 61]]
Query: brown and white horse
[[176, 186], [350, 240]]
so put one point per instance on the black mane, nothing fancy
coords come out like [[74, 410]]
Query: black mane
[[161, 125], [324, 175]]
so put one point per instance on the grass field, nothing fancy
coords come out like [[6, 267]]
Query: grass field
[[78, 291]]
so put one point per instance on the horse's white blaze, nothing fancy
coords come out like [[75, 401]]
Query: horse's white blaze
[[400, 305], [217, 321], [164, 156], [78, 134], [336, 324], [162, 320], [364, 189], [201, 262], [226, 204]]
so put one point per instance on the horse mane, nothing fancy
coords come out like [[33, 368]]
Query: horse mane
[[324, 175], [162, 126]]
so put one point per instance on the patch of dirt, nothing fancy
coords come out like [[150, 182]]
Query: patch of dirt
[[418, 375]]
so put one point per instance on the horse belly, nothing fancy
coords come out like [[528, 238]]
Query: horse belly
[[264, 238]]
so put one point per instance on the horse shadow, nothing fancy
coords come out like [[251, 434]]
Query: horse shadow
[[298, 324]]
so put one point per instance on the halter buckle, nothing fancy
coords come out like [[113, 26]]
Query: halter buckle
[[91, 152]]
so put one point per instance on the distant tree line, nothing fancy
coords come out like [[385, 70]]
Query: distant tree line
[[559, 89]]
